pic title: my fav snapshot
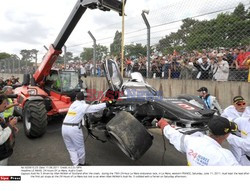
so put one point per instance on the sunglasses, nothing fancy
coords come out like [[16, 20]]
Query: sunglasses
[[241, 104]]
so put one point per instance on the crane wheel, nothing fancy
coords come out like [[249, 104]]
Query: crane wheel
[[35, 119]]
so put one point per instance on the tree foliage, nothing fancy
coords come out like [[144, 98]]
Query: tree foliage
[[29, 56], [135, 50], [87, 53], [115, 47], [226, 30], [4, 55]]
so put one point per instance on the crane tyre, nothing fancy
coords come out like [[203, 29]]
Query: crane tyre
[[35, 119]]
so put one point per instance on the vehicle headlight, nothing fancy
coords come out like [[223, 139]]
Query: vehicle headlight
[[32, 92]]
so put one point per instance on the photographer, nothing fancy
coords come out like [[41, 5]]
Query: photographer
[[220, 69], [9, 110], [204, 67], [7, 134]]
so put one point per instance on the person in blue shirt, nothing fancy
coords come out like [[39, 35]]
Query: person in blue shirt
[[209, 100]]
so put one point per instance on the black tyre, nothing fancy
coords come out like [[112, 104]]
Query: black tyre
[[129, 135], [34, 119]]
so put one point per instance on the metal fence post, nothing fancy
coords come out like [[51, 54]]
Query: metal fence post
[[19, 64], [65, 56], [148, 39], [94, 51]]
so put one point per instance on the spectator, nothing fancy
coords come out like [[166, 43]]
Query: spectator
[[220, 69], [204, 68], [240, 145], [136, 66], [128, 69], [246, 62], [240, 58], [8, 82], [155, 69], [238, 109], [200, 149], [166, 70], [13, 80], [7, 134], [98, 70], [9, 110], [82, 70], [2, 83], [186, 70], [229, 58], [142, 68], [175, 68]]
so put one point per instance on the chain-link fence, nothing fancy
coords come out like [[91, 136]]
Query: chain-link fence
[[14, 65], [183, 40]]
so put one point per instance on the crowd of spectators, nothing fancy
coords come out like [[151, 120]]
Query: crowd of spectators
[[9, 81], [219, 65]]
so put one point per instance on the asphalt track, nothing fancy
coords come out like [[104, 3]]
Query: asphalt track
[[50, 150]]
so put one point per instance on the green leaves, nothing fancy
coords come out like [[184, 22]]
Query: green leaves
[[226, 30]]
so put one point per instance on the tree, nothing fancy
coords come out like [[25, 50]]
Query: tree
[[101, 51], [4, 55], [29, 57], [60, 60], [87, 54], [115, 47], [76, 59], [240, 12], [135, 50], [226, 30], [69, 56]]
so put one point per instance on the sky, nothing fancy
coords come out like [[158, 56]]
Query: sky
[[30, 24]]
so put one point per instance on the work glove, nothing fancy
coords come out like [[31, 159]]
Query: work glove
[[162, 123], [110, 103]]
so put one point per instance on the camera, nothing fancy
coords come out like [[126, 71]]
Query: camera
[[12, 117], [12, 96]]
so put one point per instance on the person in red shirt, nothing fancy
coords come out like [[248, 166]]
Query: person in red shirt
[[246, 62], [240, 59]]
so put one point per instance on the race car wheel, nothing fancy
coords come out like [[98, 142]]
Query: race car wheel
[[34, 119], [129, 135]]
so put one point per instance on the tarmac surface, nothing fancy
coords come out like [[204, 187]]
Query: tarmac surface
[[50, 150]]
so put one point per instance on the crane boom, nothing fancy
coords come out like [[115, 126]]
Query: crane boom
[[75, 15]]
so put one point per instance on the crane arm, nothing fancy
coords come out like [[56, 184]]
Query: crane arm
[[75, 15]]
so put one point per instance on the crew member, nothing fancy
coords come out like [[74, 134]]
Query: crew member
[[71, 128], [7, 134], [238, 109], [209, 100], [240, 145], [200, 149], [8, 90]]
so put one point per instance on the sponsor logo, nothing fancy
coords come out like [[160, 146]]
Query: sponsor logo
[[131, 94]]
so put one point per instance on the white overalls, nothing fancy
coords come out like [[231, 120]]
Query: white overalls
[[4, 135], [231, 113], [71, 131], [241, 145], [201, 150]]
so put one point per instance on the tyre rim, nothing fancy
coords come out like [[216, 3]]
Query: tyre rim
[[27, 123]]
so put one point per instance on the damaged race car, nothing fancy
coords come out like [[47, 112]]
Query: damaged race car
[[137, 106]]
